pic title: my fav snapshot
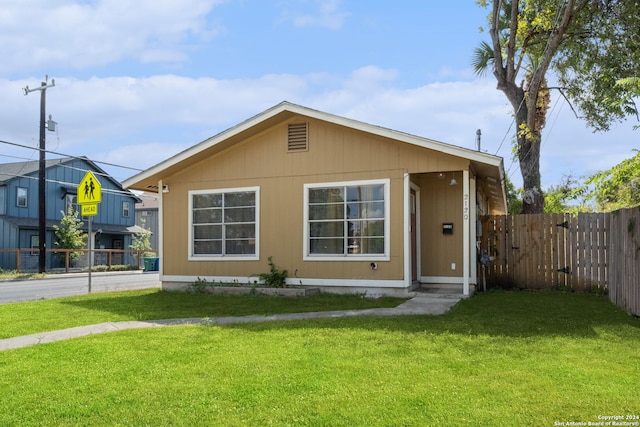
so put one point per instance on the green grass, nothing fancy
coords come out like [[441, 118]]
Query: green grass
[[40, 316], [498, 359], [14, 275]]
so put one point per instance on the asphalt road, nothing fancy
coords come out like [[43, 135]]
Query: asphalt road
[[61, 285]]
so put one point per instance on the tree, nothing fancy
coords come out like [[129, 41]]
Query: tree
[[141, 240], [618, 187], [565, 197], [514, 198], [573, 38], [69, 235]]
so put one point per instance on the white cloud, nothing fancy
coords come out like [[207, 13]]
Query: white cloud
[[37, 33], [139, 122], [326, 14]]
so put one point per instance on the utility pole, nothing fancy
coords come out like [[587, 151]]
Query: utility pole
[[42, 212]]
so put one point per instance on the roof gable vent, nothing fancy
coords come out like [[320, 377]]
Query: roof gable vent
[[297, 137]]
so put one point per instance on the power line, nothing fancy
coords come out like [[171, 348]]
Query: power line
[[65, 183], [67, 155]]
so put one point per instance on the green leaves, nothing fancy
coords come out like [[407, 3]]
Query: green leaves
[[618, 187], [69, 234]]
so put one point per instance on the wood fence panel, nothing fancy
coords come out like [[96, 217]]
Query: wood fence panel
[[560, 255], [521, 264], [624, 259], [603, 248], [578, 253], [585, 251]]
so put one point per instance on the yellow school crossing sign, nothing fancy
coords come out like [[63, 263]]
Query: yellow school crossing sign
[[89, 194]]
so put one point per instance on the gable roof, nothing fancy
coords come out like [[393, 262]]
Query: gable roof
[[485, 165], [10, 171]]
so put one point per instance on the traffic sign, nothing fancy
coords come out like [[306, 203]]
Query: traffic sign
[[89, 210], [89, 190]]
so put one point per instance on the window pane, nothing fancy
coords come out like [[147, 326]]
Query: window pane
[[365, 193], [365, 210], [326, 195], [207, 216], [326, 229], [366, 228], [207, 201], [240, 231], [239, 215], [207, 232], [326, 211], [326, 246], [240, 199], [372, 245], [240, 247], [207, 247], [21, 199]]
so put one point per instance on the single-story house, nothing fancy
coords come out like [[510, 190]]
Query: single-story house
[[341, 204]]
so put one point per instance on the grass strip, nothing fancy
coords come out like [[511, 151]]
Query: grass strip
[[40, 316]]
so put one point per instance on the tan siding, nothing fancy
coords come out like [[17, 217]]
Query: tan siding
[[335, 154]]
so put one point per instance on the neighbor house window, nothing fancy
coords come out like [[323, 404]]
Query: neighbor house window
[[347, 220], [71, 203], [35, 244], [224, 223], [21, 198], [126, 208]]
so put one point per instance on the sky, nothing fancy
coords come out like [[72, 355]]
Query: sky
[[138, 81]]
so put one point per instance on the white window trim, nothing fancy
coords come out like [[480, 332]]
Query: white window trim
[[353, 257], [26, 197], [126, 212], [253, 257]]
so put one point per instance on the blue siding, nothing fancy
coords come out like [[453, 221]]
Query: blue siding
[[63, 179]]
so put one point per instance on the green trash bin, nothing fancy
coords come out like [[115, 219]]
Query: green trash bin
[[149, 264]]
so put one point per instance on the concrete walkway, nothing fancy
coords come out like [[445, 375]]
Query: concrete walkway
[[420, 304]]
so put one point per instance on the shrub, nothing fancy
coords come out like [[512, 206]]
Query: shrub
[[275, 278]]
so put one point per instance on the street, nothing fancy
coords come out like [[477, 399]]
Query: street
[[61, 285]]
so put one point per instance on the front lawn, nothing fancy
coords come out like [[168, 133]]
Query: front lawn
[[26, 318], [497, 359]]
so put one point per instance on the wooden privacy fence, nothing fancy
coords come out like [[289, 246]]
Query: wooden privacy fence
[[583, 251]]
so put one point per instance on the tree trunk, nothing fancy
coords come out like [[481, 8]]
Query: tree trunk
[[529, 157], [528, 150]]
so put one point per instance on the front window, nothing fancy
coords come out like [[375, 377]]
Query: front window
[[224, 223], [347, 220], [21, 197]]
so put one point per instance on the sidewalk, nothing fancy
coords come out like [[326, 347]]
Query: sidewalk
[[420, 304]]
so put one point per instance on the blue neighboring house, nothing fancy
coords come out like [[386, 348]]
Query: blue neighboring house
[[112, 227]]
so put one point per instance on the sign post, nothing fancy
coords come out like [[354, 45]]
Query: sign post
[[89, 195]]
